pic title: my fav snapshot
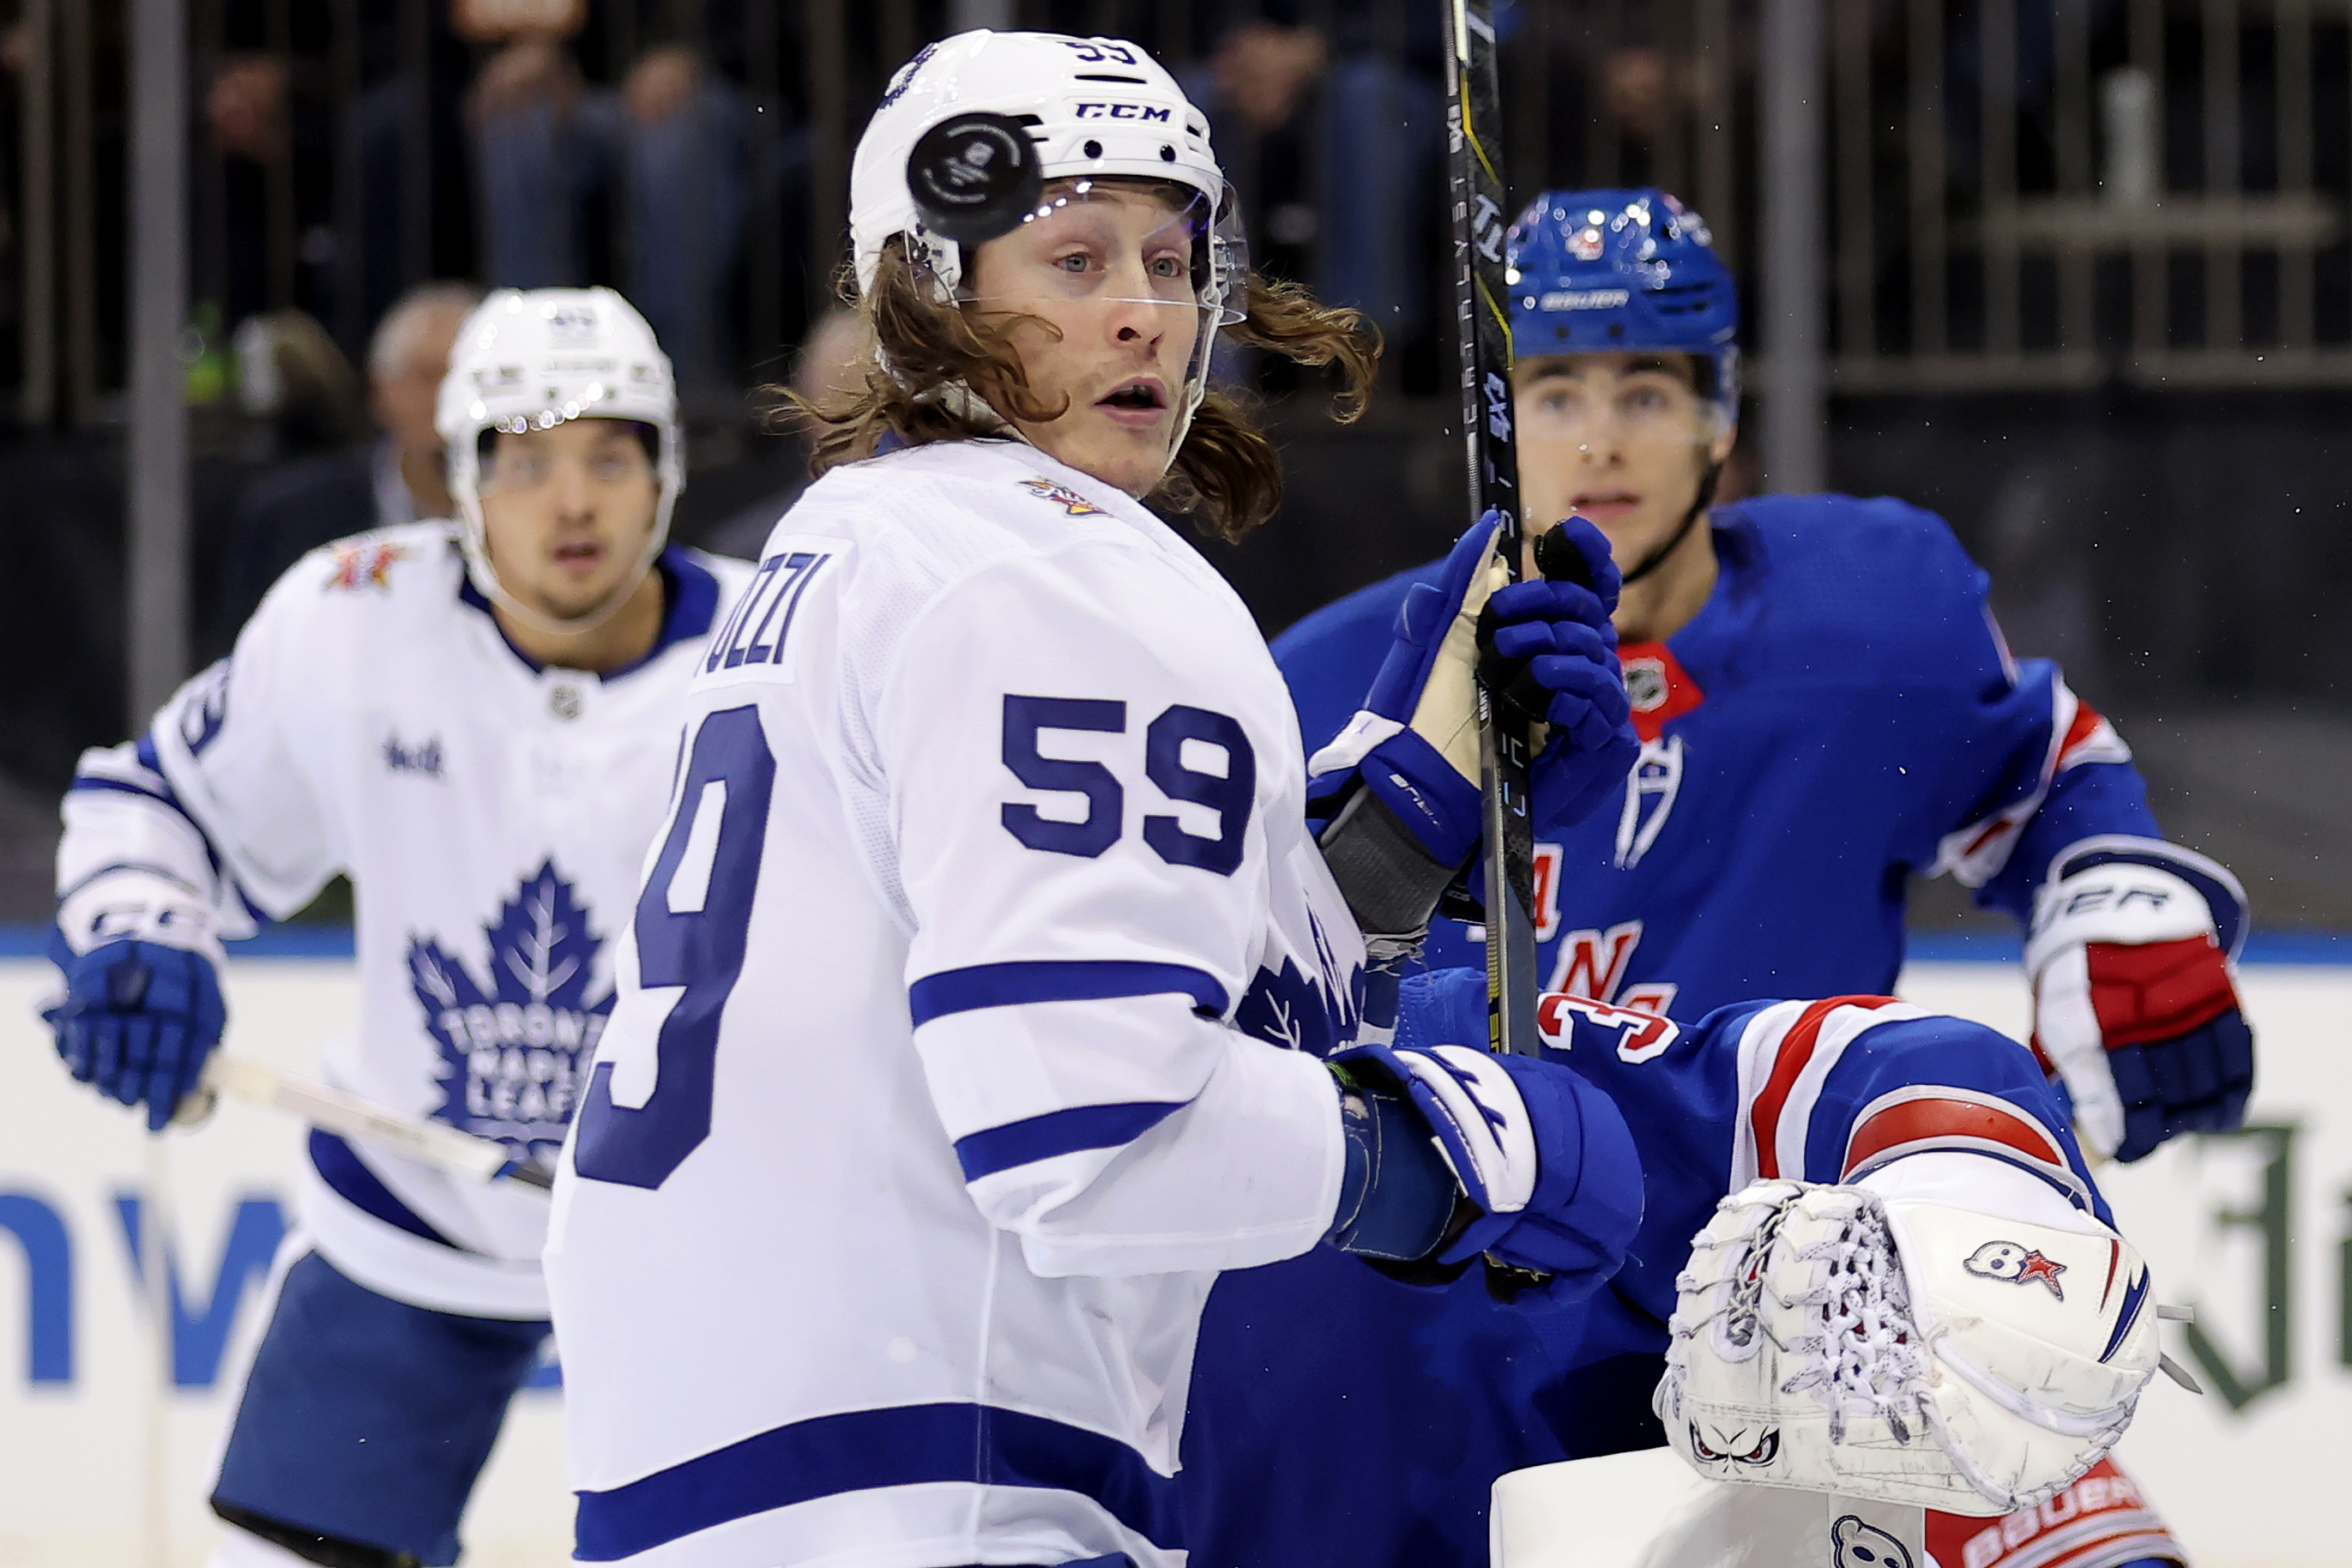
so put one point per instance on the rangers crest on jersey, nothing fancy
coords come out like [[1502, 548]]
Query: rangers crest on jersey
[[365, 563], [512, 1051]]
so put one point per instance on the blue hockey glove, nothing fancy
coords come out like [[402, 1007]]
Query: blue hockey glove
[[1544, 1173], [2135, 1009], [1413, 749], [1548, 653], [138, 1020]]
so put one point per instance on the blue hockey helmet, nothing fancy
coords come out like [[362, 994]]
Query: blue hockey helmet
[[1594, 271]]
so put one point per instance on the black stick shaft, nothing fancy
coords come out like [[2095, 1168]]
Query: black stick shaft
[[1481, 314]]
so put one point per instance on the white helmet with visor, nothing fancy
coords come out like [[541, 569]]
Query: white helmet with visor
[[531, 361], [972, 130]]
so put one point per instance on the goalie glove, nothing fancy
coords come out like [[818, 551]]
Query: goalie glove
[[2134, 1007], [1829, 1340]]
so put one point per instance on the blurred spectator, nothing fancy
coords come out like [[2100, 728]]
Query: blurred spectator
[[672, 149], [1638, 87], [1262, 70], [304, 503], [245, 107], [1374, 131], [290, 374], [835, 358], [539, 162], [686, 157]]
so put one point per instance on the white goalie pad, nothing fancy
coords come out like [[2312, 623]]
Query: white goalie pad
[[1902, 1352], [1649, 1510]]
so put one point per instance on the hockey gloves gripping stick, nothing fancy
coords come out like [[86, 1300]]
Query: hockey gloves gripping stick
[[1547, 650], [141, 1013], [1398, 789], [1452, 1154], [2134, 1007]]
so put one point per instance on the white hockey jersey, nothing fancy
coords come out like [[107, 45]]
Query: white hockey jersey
[[493, 819], [944, 1076]]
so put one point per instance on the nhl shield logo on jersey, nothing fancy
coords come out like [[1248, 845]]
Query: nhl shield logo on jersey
[[512, 1050], [1068, 499], [2017, 1263], [365, 563]]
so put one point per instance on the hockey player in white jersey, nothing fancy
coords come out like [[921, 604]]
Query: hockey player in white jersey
[[476, 723], [970, 1016]]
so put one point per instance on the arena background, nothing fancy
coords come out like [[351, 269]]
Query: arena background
[[2074, 273]]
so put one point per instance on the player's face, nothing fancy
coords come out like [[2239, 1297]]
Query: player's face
[[1622, 439], [1106, 270], [568, 512]]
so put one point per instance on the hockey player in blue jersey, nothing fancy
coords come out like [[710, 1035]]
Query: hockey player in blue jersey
[[1824, 707], [474, 719]]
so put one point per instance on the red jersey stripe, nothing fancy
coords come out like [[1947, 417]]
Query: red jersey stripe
[[1927, 1119], [1795, 1050]]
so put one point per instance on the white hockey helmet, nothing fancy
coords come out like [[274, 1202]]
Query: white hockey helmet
[[531, 361], [1092, 108]]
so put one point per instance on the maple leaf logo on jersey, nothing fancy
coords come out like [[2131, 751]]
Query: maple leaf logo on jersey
[[1070, 500], [512, 1051], [365, 563], [1288, 1007]]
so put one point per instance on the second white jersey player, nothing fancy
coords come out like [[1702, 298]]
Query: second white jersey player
[[476, 721], [492, 817]]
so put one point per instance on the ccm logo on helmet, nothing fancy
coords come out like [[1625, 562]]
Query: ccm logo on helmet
[[1121, 111]]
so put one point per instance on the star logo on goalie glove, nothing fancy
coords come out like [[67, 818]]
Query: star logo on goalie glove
[[2017, 1263]]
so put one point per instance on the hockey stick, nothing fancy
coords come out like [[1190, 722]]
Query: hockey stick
[[349, 1115], [1482, 318]]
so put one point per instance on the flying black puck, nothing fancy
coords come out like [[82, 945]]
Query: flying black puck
[[974, 176], [1559, 560]]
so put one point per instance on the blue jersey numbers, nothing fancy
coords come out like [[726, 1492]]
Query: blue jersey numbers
[[689, 925], [1194, 756]]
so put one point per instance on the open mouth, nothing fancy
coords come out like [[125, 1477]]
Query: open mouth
[[1605, 503], [1143, 396], [579, 552]]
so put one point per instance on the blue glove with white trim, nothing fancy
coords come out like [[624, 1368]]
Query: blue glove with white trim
[[143, 1008], [1544, 1173]]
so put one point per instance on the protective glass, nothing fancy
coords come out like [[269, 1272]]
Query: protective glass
[[1121, 241], [1598, 404], [517, 466]]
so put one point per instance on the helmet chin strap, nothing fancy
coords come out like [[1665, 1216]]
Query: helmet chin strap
[[1673, 542]]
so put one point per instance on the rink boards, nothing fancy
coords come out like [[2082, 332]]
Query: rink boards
[[109, 1430]]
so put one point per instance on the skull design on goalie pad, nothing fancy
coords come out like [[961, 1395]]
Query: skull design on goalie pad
[[1903, 1352]]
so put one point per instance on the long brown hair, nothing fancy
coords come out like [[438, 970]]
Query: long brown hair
[[1226, 471]]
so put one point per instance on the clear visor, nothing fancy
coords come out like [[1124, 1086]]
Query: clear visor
[[1118, 241], [1594, 401]]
